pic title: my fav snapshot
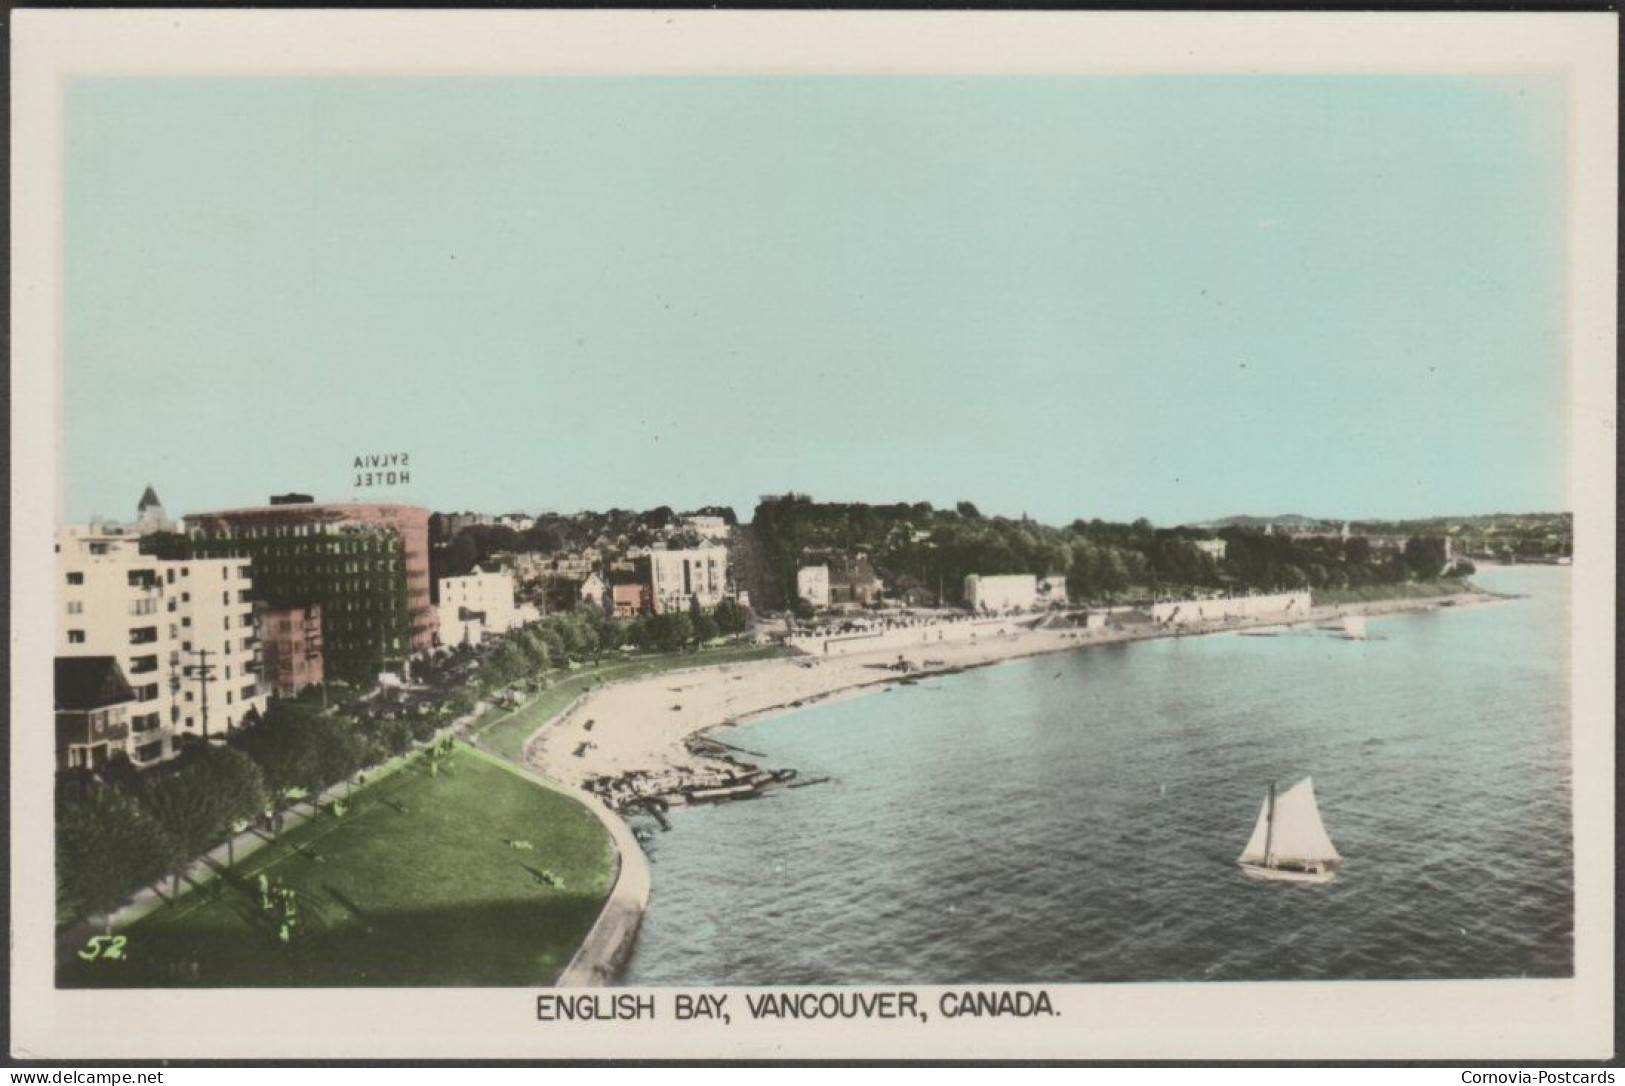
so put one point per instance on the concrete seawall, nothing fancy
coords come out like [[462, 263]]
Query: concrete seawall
[[603, 954]]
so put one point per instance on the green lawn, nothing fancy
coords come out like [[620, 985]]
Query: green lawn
[[414, 885], [504, 733], [1371, 593]]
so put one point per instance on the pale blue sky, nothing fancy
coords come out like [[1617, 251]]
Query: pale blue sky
[[1171, 297]]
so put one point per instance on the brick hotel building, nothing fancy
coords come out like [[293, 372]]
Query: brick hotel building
[[364, 564]]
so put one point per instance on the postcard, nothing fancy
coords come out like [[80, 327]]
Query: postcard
[[564, 534]]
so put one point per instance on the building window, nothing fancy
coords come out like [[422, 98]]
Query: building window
[[76, 607], [76, 578], [76, 637]]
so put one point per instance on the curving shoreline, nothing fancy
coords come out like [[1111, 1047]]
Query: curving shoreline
[[656, 732]]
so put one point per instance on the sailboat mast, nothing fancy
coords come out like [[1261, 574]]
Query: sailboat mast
[[1269, 829]]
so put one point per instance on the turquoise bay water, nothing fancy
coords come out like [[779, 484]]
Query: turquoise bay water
[[1076, 818]]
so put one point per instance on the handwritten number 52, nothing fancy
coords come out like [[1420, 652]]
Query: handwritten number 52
[[106, 947]]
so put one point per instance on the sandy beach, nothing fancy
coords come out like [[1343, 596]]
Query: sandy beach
[[655, 728]]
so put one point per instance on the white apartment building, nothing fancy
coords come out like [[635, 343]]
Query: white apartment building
[[183, 633], [220, 651], [476, 604], [677, 577], [812, 585]]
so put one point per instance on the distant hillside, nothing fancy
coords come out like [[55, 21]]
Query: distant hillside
[[1290, 522]]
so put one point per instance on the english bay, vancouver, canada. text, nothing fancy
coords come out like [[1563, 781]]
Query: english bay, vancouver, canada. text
[[833, 549]]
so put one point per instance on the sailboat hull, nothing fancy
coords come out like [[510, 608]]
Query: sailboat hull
[[1288, 874]]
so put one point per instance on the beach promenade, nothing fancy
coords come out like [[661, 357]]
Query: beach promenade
[[647, 727]]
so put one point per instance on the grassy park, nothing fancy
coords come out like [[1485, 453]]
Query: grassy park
[[1414, 590], [504, 732], [464, 872]]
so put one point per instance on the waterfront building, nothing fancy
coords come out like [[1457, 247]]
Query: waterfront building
[[1005, 592], [853, 582], [183, 633], [677, 579], [1279, 605], [812, 585], [293, 648], [93, 707], [1052, 591], [366, 565], [475, 605]]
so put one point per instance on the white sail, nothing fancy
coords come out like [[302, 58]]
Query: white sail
[[1254, 852], [1298, 834], [1354, 627]]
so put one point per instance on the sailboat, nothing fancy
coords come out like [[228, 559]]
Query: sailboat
[[1354, 627], [1289, 843]]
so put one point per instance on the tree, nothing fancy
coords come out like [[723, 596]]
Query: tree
[[459, 557], [298, 748], [968, 511], [1425, 556], [461, 702], [106, 847], [197, 804], [504, 665], [670, 631], [730, 617], [534, 649]]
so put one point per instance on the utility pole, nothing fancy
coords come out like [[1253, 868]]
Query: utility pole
[[204, 671]]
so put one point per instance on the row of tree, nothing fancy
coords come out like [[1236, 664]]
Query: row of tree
[[132, 827], [587, 634], [1099, 559]]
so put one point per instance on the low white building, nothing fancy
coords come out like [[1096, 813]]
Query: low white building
[[709, 528], [1013, 592], [1213, 548], [812, 585], [1282, 606], [474, 605], [1052, 592]]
